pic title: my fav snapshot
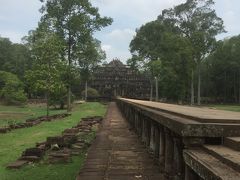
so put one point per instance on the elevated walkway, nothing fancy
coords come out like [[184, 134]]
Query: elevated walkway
[[118, 154]]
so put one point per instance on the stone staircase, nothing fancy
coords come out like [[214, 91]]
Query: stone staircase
[[220, 162]]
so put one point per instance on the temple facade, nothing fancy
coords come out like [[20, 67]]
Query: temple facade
[[116, 79]]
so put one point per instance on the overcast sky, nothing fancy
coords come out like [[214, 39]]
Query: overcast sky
[[17, 17]]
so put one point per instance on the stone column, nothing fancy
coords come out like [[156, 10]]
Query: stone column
[[169, 154], [178, 159], [157, 141], [162, 150], [144, 130], [135, 121], [152, 137], [190, 174], [148, 132], [140, 126]]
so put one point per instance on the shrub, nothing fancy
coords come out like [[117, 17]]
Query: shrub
[[91, 93], [11, 89]]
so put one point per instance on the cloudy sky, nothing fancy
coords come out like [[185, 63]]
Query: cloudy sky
[[17, 17]]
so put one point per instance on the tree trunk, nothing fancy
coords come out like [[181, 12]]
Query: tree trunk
[[192, 88], [47, 97], [151, 92], [86, 90], [225, 86], [199, 84], [235, 87], [69, 70], [239, 88], [156, 89]]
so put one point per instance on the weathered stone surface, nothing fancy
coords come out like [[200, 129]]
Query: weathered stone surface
[[4, 130], [71, 131], [32, 122], [226, 155], [116, 153], [187, 121], [33, 152], [232, 142], [60, 157], [59, 140], [17, 164], [30, 158], [207, 166]]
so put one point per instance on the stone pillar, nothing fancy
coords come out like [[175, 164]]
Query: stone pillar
[[135, 115], [169, 154], [152, 137], [178, 159], [162, 150], [140, 126], [148, 132], [157, 141], [144, 124], [190, 174]]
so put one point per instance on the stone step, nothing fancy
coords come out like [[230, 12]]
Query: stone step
[[232, 142], [17, 164], [207, 166], [30, 158], [226, 155]]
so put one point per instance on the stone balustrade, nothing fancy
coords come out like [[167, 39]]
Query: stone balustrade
[[178, 136]]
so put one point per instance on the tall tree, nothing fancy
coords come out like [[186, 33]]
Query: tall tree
[[89, 58], [222, 72], [45, 75], [14, 58], [166, 55], [72, 20], [197, 21]]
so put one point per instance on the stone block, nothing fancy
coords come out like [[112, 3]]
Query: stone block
[[59, 140], [30, 158], [33, 152], [17, 164]]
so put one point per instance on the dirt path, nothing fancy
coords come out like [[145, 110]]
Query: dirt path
[[117, 153]]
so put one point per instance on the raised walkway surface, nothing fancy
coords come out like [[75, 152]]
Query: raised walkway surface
[[117, 153], [201, 114]]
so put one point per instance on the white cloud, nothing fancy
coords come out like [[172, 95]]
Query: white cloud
[[106, 47], [229, 12], [127, 16], [141, 10], [121, 34], [14, 36], [18, 17]]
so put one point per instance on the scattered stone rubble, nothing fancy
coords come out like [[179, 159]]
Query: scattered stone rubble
[[32, 122], [59, 149]]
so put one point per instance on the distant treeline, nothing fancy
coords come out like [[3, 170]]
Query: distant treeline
[[179, 50]]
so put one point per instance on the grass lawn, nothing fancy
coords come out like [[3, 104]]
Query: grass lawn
[[12, 144], [15, 114], [235, 108]]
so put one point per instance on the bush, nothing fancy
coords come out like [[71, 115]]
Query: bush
[[59, 99], [11, 89], [91, 93]]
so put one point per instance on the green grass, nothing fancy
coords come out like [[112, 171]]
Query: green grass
[[235, 108], [16, 114], [15, 142]]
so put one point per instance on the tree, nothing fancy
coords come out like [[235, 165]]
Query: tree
[[5, 52], [11, 89], [222, 72], [14, 58], [47, 70], [197, 21], [72, 20], [166, 55], [88, 60]]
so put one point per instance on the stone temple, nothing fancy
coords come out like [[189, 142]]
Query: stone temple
[[116, 79]]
